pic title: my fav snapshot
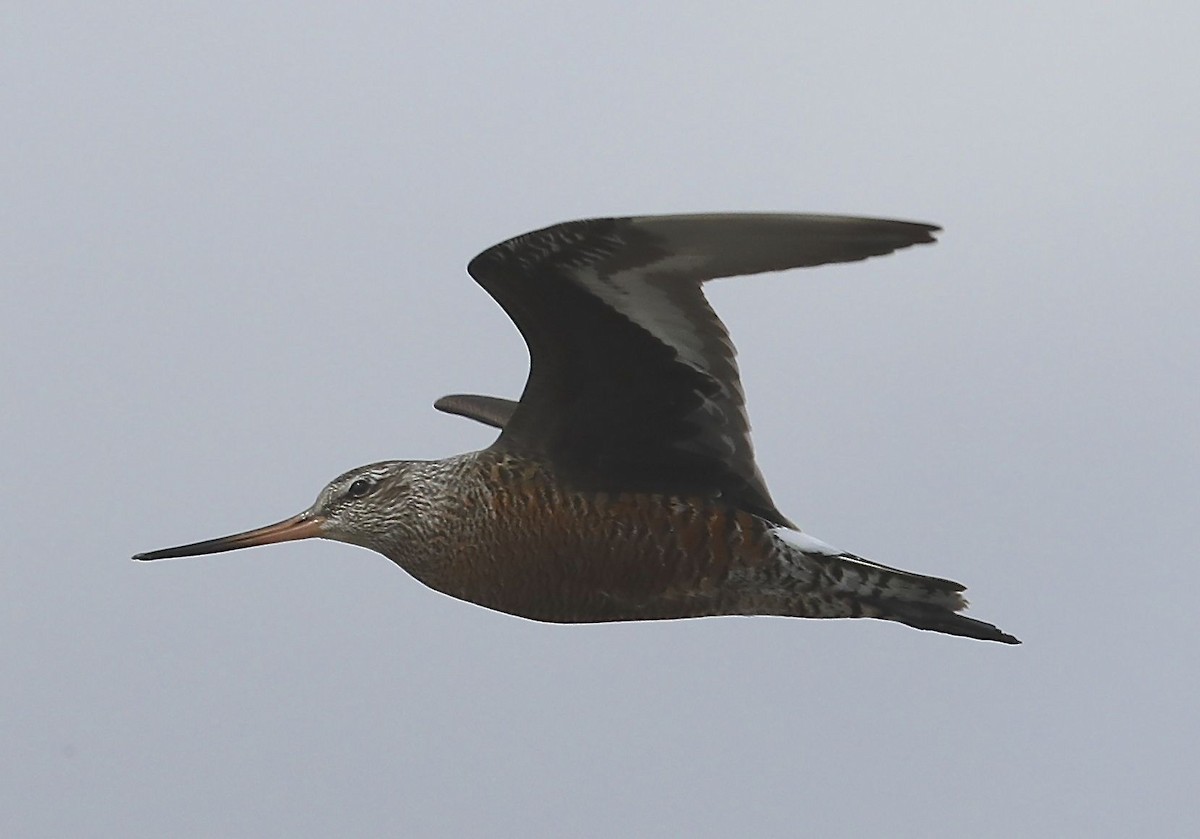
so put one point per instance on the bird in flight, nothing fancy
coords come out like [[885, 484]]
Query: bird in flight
[[622, 485]]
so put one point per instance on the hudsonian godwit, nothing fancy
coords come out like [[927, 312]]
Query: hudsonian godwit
[[622, 485]]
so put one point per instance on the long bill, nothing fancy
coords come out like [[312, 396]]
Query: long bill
[[302, 526]]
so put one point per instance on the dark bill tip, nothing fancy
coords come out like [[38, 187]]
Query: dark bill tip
[[302, 526]]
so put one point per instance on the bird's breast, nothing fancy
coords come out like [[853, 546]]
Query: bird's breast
[[516, 540]]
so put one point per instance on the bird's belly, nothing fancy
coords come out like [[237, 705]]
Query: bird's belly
[[602, 558]]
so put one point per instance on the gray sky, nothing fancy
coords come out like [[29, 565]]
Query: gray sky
[[233, 247]]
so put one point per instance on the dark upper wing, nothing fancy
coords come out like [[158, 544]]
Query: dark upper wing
[[489, 410], [632, 383]]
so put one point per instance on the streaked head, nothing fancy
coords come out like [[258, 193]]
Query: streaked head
[[373, 506]]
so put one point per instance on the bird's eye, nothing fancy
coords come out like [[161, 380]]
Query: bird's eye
[[359, 488]]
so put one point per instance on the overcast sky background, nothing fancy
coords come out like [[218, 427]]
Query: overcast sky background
[[233, 246]]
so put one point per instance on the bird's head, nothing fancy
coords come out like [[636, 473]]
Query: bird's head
[[379, 506]]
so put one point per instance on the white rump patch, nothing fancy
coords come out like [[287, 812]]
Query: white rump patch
[[804, 542]]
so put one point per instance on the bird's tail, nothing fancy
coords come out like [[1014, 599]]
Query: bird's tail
[[878, 591]]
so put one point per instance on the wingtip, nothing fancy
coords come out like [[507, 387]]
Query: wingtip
[[917, 232], [1004, 638], [935, 618], [489, 410], [975, 628]]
